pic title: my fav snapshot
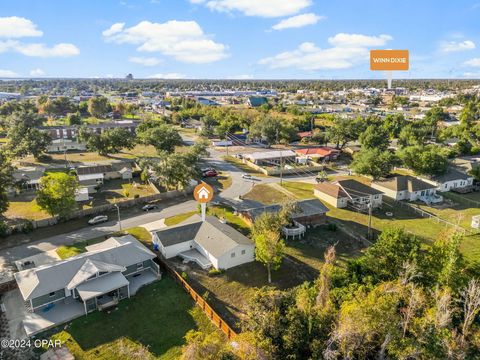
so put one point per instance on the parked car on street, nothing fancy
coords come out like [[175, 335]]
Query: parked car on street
[[247, 176], [149, 207], [210, 173], [98, 220]]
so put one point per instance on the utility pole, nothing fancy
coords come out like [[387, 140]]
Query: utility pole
[[370, 206], [281, 168], [226, 139], [119, 220]]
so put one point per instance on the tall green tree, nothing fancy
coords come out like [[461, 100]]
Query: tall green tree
[[374, 163], [98, 106], [56, 194], [23, 136], [269, 246], [345, 130], [374, 137], [425, 160], [162, 137], [6, 180]]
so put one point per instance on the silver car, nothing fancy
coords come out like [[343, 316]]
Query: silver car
[[98, 220]]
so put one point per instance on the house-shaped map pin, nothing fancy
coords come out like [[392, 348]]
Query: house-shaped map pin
[[203, 193]]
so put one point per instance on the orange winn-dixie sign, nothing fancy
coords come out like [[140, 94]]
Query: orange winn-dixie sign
[[389, 60]]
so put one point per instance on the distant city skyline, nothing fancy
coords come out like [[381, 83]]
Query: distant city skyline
[[236, 39]]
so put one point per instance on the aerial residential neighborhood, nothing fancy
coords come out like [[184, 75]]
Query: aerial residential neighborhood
[[287, 179]]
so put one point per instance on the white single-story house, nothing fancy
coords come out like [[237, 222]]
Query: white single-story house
[[27, 178], [208, 243], [62, 145], [405, 187], [271, 158], [452, 179], [348, 193]]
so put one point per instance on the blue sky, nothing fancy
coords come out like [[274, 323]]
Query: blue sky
[[260, 39]]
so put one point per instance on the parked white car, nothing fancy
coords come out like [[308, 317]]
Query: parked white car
[[247, 176], [98, 220]]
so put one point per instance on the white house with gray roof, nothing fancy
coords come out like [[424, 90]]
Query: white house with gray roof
[[208, 243], [108, 272]]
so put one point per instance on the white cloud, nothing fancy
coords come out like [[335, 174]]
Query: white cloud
[[145, 61], [41, 50], [472, 75], [183, 40], [168, 76], [240, 77], [347, 50], [475, 62], [37, 72], [263, 8], [17, 27], [7, 74], [455, 46], [298, 21], [354, 40], [114, 29]]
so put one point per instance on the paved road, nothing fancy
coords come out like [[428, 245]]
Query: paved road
[[7, 256], [239, 187]]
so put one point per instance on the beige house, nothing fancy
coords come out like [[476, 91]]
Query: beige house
[[348, 193]]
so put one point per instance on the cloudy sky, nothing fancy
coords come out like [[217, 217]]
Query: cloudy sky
[[240, 39]]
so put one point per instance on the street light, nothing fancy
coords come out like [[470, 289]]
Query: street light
[[119, 220]]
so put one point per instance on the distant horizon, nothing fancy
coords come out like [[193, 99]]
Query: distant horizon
[[233, 80], [236, 40]]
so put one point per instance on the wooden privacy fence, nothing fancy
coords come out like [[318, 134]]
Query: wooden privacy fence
[[200, 301]]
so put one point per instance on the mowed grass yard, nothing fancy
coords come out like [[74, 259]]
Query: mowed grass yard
[[150, 325], [25, 208], [66, 251], [229, 291], [426, 228]]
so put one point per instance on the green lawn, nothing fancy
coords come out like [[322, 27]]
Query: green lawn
[[177, 219], [266, 194], [233, 220], [77, 248], [299, 189], [244, 167], [454, 211], [150, 325], [25, 209], [138, 190], [230, 291]]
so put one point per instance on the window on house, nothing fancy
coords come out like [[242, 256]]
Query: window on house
[[232, 255], [243, 252], [52, 294], [140, 266]]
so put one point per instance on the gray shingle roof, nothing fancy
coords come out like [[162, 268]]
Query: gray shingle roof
[[122, 251], [357, 189], [451, 175], [405, 182], [214, 236]]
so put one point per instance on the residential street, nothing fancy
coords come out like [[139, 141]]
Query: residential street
[[239, 187]]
